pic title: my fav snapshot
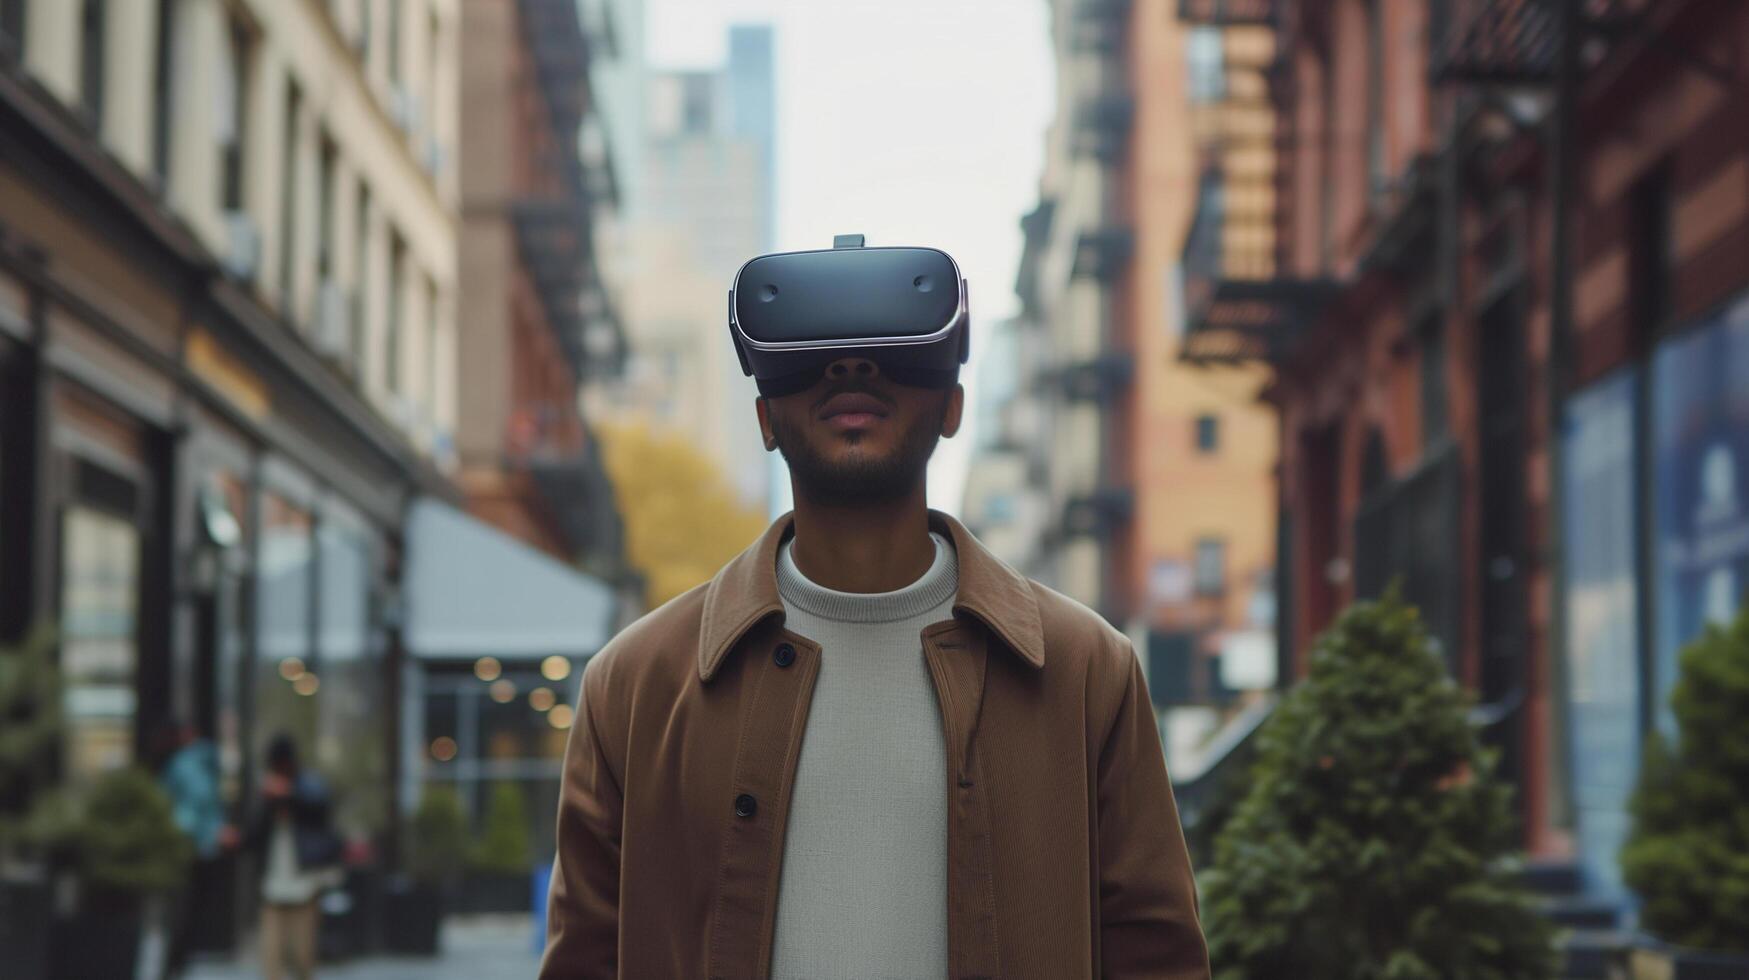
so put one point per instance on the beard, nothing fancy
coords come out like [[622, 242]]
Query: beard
[[861, 479]]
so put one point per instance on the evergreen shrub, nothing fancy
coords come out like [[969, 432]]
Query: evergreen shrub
[[1375, 842]]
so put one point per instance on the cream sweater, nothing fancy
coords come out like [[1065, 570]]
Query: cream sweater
[[863, 892]]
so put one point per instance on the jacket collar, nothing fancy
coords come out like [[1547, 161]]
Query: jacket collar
[[744, 593]]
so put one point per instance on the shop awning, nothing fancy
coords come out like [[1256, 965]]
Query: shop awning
[[474, 591]]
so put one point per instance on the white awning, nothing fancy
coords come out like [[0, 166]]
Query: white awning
[[474, 591]]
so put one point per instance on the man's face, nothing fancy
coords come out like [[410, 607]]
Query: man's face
[[857, 438]]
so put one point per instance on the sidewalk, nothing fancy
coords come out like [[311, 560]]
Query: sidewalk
[[472, 948]]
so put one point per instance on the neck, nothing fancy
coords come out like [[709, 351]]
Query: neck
[[866, 548]]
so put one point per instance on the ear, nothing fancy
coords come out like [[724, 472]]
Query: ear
[[950, 416], [764, 410]]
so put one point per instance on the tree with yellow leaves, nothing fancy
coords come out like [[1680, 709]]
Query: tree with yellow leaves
[[682, 522]]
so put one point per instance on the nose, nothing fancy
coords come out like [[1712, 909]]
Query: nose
[[852, 367]]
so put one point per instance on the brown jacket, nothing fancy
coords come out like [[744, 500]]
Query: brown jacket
[[1065, 855]]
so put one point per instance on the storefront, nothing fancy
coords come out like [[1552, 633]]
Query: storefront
[[1657, 547], [208, 515], [497, 636]]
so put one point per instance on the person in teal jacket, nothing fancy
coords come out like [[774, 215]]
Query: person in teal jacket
[[189, 774]]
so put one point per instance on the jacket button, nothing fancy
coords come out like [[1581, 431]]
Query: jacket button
[[745, 804], [784, 655]]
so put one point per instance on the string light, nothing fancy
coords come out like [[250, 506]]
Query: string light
[[555, 668]]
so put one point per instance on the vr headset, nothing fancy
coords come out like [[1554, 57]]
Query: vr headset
[[793, 313]]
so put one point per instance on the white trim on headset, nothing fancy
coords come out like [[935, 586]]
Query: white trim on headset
[[781, 346]]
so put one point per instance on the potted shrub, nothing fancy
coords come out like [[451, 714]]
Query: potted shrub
[[1685, 856], [125, 847], [436, 845], [30, 724], [1375, 840], [502, 859]]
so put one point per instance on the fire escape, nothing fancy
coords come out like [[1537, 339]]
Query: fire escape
[[1237, 306], [554, 230]]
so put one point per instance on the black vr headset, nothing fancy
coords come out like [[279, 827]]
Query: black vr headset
[[793, 313]]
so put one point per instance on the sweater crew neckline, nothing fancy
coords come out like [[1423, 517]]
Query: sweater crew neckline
[[936, 586]]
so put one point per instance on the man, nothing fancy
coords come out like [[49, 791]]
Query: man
[[866, 748], [292, 834]]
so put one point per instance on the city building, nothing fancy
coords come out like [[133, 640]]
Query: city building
[[706, 204], [1153, 478], [487, 695], [230, 384], [1507, 330], [227, 364]]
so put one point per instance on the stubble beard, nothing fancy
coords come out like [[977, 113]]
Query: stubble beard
[[861, 479]]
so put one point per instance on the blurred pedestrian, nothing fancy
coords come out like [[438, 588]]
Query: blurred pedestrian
[[867, 748], [188, 769], [292, 836]]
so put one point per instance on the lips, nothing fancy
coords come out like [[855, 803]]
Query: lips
[[853, 403]]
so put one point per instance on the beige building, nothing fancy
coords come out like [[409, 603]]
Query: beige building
[[310, 146], [227, 369]]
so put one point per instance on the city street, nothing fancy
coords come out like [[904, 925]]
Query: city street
[[473, 947], [1345, 398]]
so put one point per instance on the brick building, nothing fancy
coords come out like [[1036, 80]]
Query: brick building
[[540, 321], [1112, 471], [1510, 350]]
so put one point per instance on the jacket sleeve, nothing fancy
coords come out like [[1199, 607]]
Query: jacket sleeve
[[583, 903], [1148, 923]]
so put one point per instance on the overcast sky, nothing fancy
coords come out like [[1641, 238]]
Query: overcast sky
[[915, 122]]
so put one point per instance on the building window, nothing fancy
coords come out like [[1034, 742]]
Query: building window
[[163, 88], [392, 338], [695, 107], [91, 61], [1175, 299], [395, 41], [362, 35], [352, 750], [1377, 177], [1211, 566], [999, 509], [288, 197], [361, 275], [325, 164], [1208, 434], [12, 27], [1205, 61], [100, 587], [1435, 425], [1327, 172], [432, 332], [287, 673], [432, 60], [1649, 255], [233, 101]]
